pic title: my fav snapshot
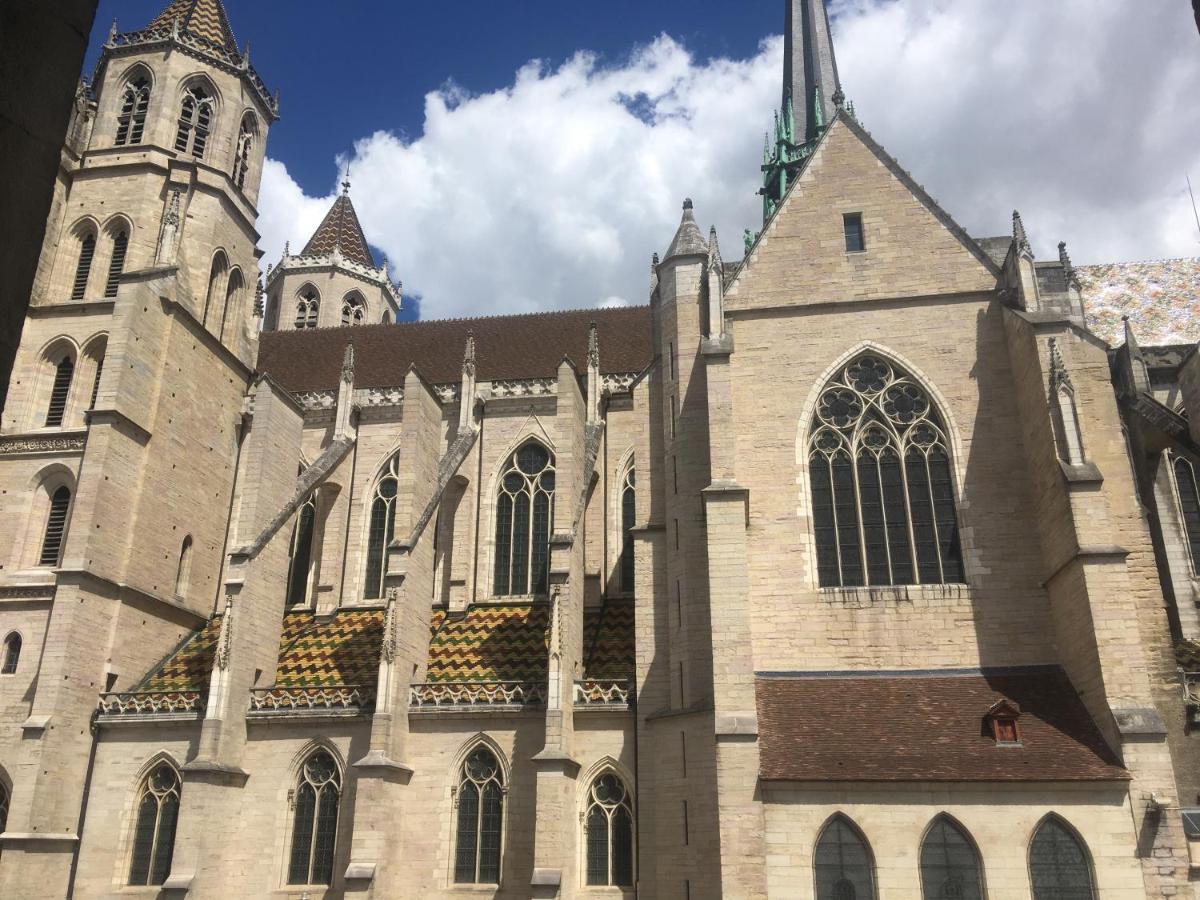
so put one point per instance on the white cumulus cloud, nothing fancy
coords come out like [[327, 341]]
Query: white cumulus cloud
[[554, 191]]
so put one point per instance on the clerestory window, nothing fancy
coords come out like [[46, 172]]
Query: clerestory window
[[883, 501], [382, 528], [628, 517], [300, 553], [524, 510]]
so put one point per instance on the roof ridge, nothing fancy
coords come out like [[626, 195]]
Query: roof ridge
[[468, 319]]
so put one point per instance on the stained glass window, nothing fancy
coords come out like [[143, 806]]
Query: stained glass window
[[1059, 867], [314, 829], [842, 863], [524, 508], [480, 800], [154, 830], [882, 492], [609, 821], [950, 867]]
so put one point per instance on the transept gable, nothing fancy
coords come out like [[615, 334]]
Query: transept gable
[[912, 248]]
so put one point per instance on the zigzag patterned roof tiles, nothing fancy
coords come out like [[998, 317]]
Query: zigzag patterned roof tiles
[[493, 642], [188, 668], [206, 19], [608, 642], [340, 228]]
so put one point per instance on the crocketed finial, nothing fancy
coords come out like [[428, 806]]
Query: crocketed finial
[[469, 354], [593, 346], [348, 364], [1019, 235], [1065, 259]]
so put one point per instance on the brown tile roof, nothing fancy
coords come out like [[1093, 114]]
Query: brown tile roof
[[525, 346], [1161, 298], [926, 727], [493, 642], [608, 642], [340, 228], [205, 19]]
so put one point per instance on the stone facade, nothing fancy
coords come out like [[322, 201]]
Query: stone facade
[[504, 607]]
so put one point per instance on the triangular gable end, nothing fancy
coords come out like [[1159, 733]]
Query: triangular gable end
[[913, 248]]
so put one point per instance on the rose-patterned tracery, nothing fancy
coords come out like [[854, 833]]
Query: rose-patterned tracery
[[883, 501]]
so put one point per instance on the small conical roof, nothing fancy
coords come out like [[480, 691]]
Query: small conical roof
[[205, 19], [340, 228], [688, 240]]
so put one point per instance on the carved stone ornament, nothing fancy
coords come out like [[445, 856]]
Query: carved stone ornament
[[226, 639], [12, 446]]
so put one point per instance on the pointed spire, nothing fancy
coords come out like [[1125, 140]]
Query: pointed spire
[[112, 34], [593, 376], [1065, 259], [204, 19], [341, 231], [714, 249], [809, 64], [688, 239], [1020, 238]]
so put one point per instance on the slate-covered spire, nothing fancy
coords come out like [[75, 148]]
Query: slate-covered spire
[[340, 229], [810, 76], [688, 240]]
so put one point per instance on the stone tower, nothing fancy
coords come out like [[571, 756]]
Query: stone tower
[[334, 281], [124, 418]]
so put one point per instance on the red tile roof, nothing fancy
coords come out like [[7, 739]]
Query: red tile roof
[[528, 346], [340, 228], [927, 727], [206, 19]]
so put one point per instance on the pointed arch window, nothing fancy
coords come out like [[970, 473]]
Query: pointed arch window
[[1187, 489], [882, 494], [524, 510], [307, 307], [83, 268], [220, 263], [480, 800], [382, 528], [154, 832], [183, 571], [628, 517], [131, 120], [12, 654], [116, 265], [1059, 865], [241, 159], [56, 527], [950, 868], [64, 372], [195, 120], [300, 553], [95, 352], [4, 801], [314, 828], [609, 822], [842, 863], [233, 297], [354, 310]]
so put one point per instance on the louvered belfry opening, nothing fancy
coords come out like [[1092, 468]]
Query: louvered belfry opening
[[117, 264], [63, 373], [56, 527], [87, 251]]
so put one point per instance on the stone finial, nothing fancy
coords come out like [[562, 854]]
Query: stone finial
[[1065, 259], [687, 203], [1019, 236], [225, 638], [348, 364], [839, 97], [112, 34], [175, 29], [653, 272], [246, 57], [593, 346], [469, 355], [1130, 338], [387, 648], [259, 306], [748, 240], [714, 248], [1058, 368], [287, 249]]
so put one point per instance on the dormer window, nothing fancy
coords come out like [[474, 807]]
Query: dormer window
[[1003, 721]]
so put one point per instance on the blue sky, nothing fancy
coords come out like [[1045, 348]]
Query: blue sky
[[494, 184]]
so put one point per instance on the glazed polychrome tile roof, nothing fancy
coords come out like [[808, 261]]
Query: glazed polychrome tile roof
[[493, 642], [205, 19], [340, 229], [1161, 298], [608, 642], [188, 668]]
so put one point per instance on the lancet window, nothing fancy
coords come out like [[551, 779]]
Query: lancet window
[[524, 509], [480, 800], [4, 796], [154, 832], [131, 120], [183, 572], [12, 654], [300, 553], [382, 528], [950, 868], [195, 120], [883, 499], [628, 517], [116, 265], [1187, 488], [1059, 866], [609, 822], [307, 307], [83, 268], [315, 816], [842, 863]]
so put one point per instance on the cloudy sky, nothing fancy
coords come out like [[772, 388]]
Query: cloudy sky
[[548, 184]]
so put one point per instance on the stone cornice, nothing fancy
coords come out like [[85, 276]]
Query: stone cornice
[[335, 262]]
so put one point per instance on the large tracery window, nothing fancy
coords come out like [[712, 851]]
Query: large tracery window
[[1187, 488], [524, 508], [950, 867], [154, 833], [842, 863], [131, 121], [300, 553], [1059, 867], [195, 120], [314, 829], [883, 500], [609, 820], [382, 528], [628, 517], [480, 800]]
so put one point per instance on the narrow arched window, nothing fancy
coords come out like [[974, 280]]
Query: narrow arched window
[[842, 863], [183, 571], [524, 509], [131, 120], [233, 296], [195, 120], [314, 829], [3, 808], [12, 654], [382, 528], [56, 527], [628, 515], [83, 268], [307, 307], [96, 381], [154, 833], [882, 495], [116, 265], [64, 372], [354, 310], [1188, 490], [609, 821], [1059, 866], [300, 553], [220, 263], [480, 799], [241, 159], [950, 867]]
